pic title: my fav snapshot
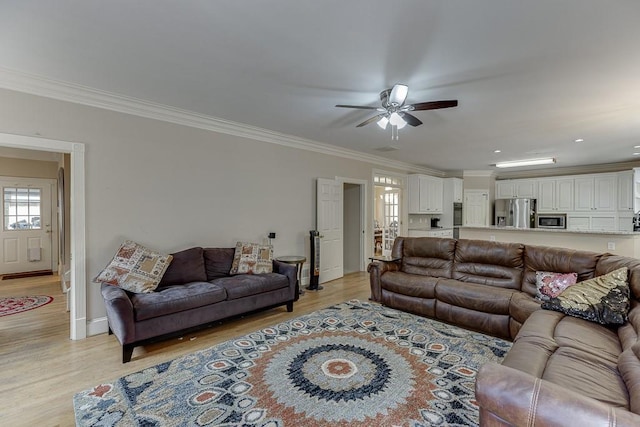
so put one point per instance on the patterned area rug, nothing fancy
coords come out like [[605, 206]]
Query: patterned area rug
[[14, 305], [353, 364]]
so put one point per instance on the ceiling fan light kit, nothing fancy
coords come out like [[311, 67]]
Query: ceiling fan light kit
[[527, 162], [395, 112]]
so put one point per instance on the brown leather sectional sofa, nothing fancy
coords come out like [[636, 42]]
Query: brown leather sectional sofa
[[561, 370]]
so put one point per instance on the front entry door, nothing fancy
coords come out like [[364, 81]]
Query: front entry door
[[26, 232], [329, 221]]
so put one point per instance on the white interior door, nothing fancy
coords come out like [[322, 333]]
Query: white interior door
[[26, 232], [329, 222]]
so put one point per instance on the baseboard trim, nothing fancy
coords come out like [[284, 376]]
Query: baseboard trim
[[97, 326]]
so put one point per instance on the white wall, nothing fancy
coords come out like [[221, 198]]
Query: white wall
[[171, 187]]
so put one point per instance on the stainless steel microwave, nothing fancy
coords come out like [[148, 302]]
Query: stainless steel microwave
[[551, 220]]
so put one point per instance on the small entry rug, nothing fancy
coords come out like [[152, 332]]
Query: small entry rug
[[353, 364], [14, 305]]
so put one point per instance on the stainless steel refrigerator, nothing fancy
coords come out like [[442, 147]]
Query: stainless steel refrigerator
[[519, 213]]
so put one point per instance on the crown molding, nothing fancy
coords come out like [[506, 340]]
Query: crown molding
[[78, 94], [478, 173], [570, 170]]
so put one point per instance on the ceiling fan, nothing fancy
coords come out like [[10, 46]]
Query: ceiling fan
[[395, 112]]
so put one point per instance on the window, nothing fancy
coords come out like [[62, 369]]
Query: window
[[21, 208]]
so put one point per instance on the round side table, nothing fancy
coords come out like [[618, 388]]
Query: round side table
[[298, 261]]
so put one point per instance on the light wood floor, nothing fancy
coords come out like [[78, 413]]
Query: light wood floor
[[41, 368]]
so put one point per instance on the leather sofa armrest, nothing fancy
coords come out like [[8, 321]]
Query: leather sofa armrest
[[119, 313], [508, 397], [376, 269], [288, 270]]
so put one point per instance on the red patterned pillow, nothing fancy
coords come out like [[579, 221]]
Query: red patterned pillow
[[252, 258], [135, 268], [550, 285]]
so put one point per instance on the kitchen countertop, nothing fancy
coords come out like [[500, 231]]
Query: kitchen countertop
[[429, 228], [553, 230]]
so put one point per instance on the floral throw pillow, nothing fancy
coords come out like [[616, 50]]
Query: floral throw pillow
[[135, 268], [603, 299], [550, 285], [252, 258]]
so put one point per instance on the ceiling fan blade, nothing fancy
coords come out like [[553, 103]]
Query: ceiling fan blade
[[411, 119], [361, 107], [398, 94], [370, 120], [435, 105]]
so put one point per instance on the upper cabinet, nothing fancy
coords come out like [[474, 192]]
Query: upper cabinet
[[555, 195], [457, 190], [596, 192], [522, 188], [625, 191], [477, 209], [425, 194]]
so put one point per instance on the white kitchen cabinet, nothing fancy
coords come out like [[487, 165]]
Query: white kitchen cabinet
[[477, 209], [625, 191], [555, 195], [425, 194], [457, 190], [593, 222], [522, 188], [595, 192]]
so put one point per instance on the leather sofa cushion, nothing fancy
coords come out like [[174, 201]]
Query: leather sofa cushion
[[522, 306], [428, 256], [244, 285], [556, 260], [409, 284], [588, 375], [485, 299], [217, 262], [573, 353], [629, 368], [489, 263], [186, 266], [492, 324], [173, 299]]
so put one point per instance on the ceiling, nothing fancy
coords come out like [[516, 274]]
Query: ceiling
[[531, 77]]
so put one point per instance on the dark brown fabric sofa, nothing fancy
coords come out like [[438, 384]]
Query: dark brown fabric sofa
[[561, 370], [195, 290]]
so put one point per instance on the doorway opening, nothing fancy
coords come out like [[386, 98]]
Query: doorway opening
[[76, 262], [340, 218], [387, 212]]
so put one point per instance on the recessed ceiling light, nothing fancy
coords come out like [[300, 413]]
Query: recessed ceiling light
[[636, 146], [528, 162], [497, 151], [636, 154], [579, 140]]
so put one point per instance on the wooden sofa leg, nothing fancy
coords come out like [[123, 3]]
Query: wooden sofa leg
[[290, 306], [127, 352]]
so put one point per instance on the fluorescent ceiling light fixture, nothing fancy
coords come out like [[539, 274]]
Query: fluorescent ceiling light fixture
[[529, 162], [579, 140], [383, 122], [497, 151], [636, 146]]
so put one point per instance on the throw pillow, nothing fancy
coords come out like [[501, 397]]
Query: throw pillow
[[252, 258], [603, 299], [550, 285], [187, 266], [135, 268]]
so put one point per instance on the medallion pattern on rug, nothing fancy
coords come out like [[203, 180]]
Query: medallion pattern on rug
[[355, 364]]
